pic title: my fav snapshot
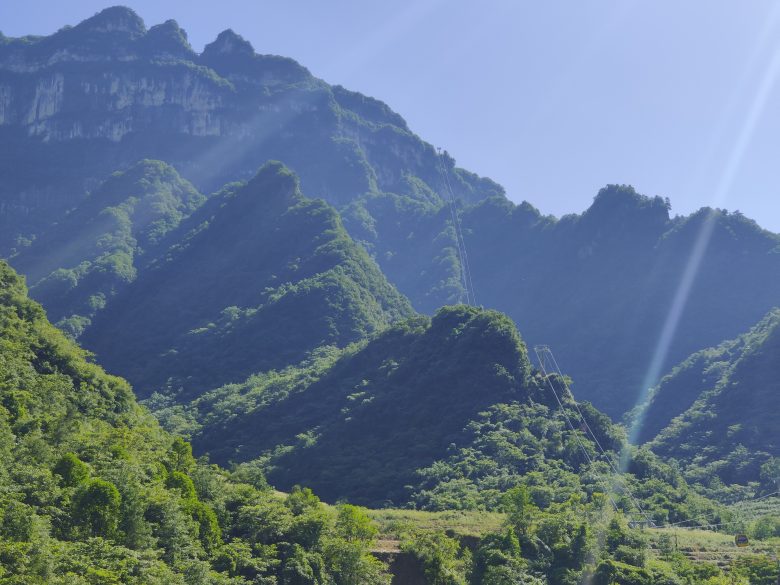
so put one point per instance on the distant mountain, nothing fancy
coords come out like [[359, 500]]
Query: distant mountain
[[97, 97], [80, 104], [94, 491], [598, 287], [255, 279], [729, 397], [80, 263]]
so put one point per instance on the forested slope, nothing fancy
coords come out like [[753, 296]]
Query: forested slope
[[730, 432], [77, 266], [92, 490], [96, 97], [256, 279], [439, 413]]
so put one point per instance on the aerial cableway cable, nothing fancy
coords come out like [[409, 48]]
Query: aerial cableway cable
[[545, 357], [460, 241], [576, 436]]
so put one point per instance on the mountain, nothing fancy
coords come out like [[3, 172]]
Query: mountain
[[438, 413], [91, 99], [357, 424], [729, 397], [255, 279], [94, 98], [76, 267], [598, 287], [94, 491]]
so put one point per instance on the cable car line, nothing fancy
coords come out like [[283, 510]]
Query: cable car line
[[544, 350], [460, 241]]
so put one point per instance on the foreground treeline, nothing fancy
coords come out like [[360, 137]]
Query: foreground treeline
[[92, 490]]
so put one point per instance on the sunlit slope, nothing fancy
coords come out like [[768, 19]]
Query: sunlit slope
[[731, 429], [255, 279], [76, 266]]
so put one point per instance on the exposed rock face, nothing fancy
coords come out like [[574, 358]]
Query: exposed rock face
[[94, 98]]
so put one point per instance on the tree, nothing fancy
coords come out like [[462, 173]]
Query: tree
[[181, 455], [72, 470], [443, 562], [354, 525], [519, 508], [96, 508]]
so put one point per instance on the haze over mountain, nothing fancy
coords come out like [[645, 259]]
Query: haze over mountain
[[99, 96], [305, 323], [255, 279]]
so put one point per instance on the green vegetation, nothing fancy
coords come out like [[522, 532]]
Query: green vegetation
[[255, 279], [92, 490], [728, 433], [76, 267], [259, 326], [357, 423], [394, 523], [577, 542], [438, 414]]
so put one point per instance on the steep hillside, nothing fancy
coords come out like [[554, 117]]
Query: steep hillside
[[443, 413], [255, 279], [96, 97], [92, 490], [360, 429], [731, 429], [597, 287], [76, 266]]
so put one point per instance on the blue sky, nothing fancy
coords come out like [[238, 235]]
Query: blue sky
[[552, 99]]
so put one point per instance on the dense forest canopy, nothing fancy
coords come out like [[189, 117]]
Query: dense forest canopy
[[92, 490], [353, 320]]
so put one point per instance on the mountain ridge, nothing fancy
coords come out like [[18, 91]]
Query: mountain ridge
[[254, 279]]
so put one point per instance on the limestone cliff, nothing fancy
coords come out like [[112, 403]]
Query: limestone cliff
[[95, 98]]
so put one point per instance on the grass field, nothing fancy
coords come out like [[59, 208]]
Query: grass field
[[392, 523], [709, 546]]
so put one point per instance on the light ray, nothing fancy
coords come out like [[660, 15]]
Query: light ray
[[709, 222]]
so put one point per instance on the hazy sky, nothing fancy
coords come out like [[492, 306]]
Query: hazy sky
[[552, 99]]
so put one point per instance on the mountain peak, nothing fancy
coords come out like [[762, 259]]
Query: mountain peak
[[622, 202], [274, 178], [229, 42], [115, 19], [170, 38]]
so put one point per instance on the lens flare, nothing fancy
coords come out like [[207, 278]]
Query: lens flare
[[699, 250]]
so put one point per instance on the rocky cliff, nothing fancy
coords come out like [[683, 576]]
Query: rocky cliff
[[95, 98]]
